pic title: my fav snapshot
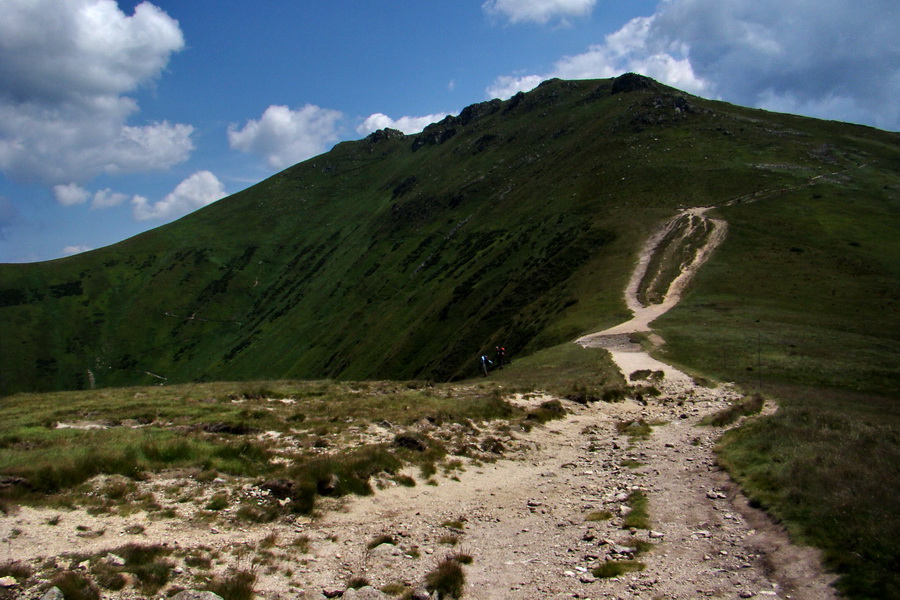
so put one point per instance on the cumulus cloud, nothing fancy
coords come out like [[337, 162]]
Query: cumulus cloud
[[71, 194], [195, 192], [835, 59], [630, 49], [407, 125], [507, 86], [539, 11], [70, 250], [285, 137], [107, 199], [65, 70]]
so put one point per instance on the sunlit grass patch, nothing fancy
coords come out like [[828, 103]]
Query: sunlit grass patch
[[636, 429], [638, 517], [748, 405], [615, 568], [598, 515]]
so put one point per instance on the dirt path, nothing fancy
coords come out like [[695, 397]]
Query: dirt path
[[526, 521], [523, 519]]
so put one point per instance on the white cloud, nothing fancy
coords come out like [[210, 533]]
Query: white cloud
[[285, 137], [71, 194], [195, 192], [836, 59], [107, 199], [407, 125], [507, 86], [65, 68], [830, 58], [539, 11], [630, 49], [70, 250]]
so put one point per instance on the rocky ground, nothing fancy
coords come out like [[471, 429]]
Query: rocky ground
[[536, 523]]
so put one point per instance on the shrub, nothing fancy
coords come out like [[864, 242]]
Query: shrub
[[646, 375], [75, 586], [447, 579], [237, 585], [357, 582], [254, 513], [218, 502], [108, 576], [15, 569], [547, 411], [340, 475], [405, 480], [582, 394], [301, 543], [394, 589], [614, 568], [636, 430], [146, 563]]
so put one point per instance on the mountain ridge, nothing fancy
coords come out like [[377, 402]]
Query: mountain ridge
[[513, 223]]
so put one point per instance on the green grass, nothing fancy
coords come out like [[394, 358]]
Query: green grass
[[800, 304], [826, 465], [635, 429], [53, 461], [406, 259], [639, 516], [598, 515], [746, 406], [615, 568]]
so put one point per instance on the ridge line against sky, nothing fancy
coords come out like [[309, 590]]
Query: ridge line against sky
[[116, 117]]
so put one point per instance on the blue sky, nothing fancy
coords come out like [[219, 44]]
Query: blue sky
[[117, 117]]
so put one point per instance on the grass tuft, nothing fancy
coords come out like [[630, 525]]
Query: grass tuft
[[237, 585], [446, 580], [749, 405], [598, 515], [638, 517], [75, 586], [547, 411], [615, 568]]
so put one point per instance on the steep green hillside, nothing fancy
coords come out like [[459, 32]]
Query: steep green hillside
[[802, 301], [398, 256]]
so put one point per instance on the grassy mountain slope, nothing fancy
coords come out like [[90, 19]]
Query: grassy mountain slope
[[396, 256]]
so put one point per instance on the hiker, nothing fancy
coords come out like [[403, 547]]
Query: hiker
[[501, 356], [485, 364]]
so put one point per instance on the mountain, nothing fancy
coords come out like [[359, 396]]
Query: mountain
[[515, 223]]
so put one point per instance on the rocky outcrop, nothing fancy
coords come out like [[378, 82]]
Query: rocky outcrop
[[384, 134], [631, 82]]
